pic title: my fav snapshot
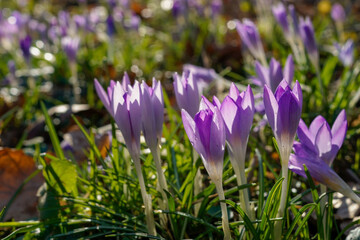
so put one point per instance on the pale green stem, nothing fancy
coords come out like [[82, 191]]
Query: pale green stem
[[239, 170], [225, 218], [197, 183], [284, 169], [74, 81], [146, 198], [322, 207]]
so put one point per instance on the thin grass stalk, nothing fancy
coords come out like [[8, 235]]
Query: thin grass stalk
[[197, 183], [146, 198], [323, 202]]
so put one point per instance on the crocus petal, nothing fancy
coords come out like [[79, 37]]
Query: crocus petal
[[262, 73], [298, 92], [271, 107], [322, 173], [125, 81], [234, 91], [316, 124], [323, 142], [217, 139], [148, 122], [305, 136], [289, 70], [189, 125], [230, 113], [202, 132], [135, 112], [339, 128], [275, 74], [158, 106], [103, 96]]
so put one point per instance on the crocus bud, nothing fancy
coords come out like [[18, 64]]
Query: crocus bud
[[70, 46], [294, 19], [111, 30], [127, 113], [280, 15], [338, 13], [206, 133], [250, 36], [237, 110], [25, 45], [187, 93], [345, 52], [283, 111], [308, 37], [289, 69], [152, 112]]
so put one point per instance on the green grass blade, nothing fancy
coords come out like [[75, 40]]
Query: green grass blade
[[261, 182], [53, 136], [299, 217]]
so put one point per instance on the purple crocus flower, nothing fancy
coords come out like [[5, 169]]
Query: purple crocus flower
[[338, 13], [308, 37], [317, 149], [25, 45], [70, 46], [216, 6], [283, 111], [294, 19], [127, 114], [273, 75], [250, 36], [111, 30], [280, 15], [80, 21], [206, 133], [346, 52], [202, 76], [237, 110], [186, 93], [106, 97], [153, 109]]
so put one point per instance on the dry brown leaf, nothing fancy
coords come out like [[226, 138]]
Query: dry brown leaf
[[15, 167]]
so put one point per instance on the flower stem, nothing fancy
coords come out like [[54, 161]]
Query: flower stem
[[284, 193], [146, 198], [225, 218], [197, 183]]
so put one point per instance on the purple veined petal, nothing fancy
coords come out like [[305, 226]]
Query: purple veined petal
[[339, 129], [216, 102], [262, 73], [125, 81], [271, 108], [275, 74], [289, 69], [302, 150], [230, 113], [203, 121], [234, 91], [305, 136], [158, 105], [103, 96], [281, 89], [110, 89], [288, 116], [206, 104], [189, 126], [217, 146], [316, 125], [148, 119], [135, 112], [298, 92], [323, 142]]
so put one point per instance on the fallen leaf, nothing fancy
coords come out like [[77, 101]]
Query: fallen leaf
[[15, 167]]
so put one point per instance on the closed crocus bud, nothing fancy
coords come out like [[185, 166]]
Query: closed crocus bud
[[271, 75], [238, 110], [70, 46], [345, 52], [111, 30], [25, 45], [152, 112], [206, 133], [283, 111], [187, 93], [280, 15], [294, 19], [338, 13], [127, 113], [250, 37], [308, 37]]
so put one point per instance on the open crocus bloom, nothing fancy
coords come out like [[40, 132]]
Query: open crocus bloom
[[317, 149]]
